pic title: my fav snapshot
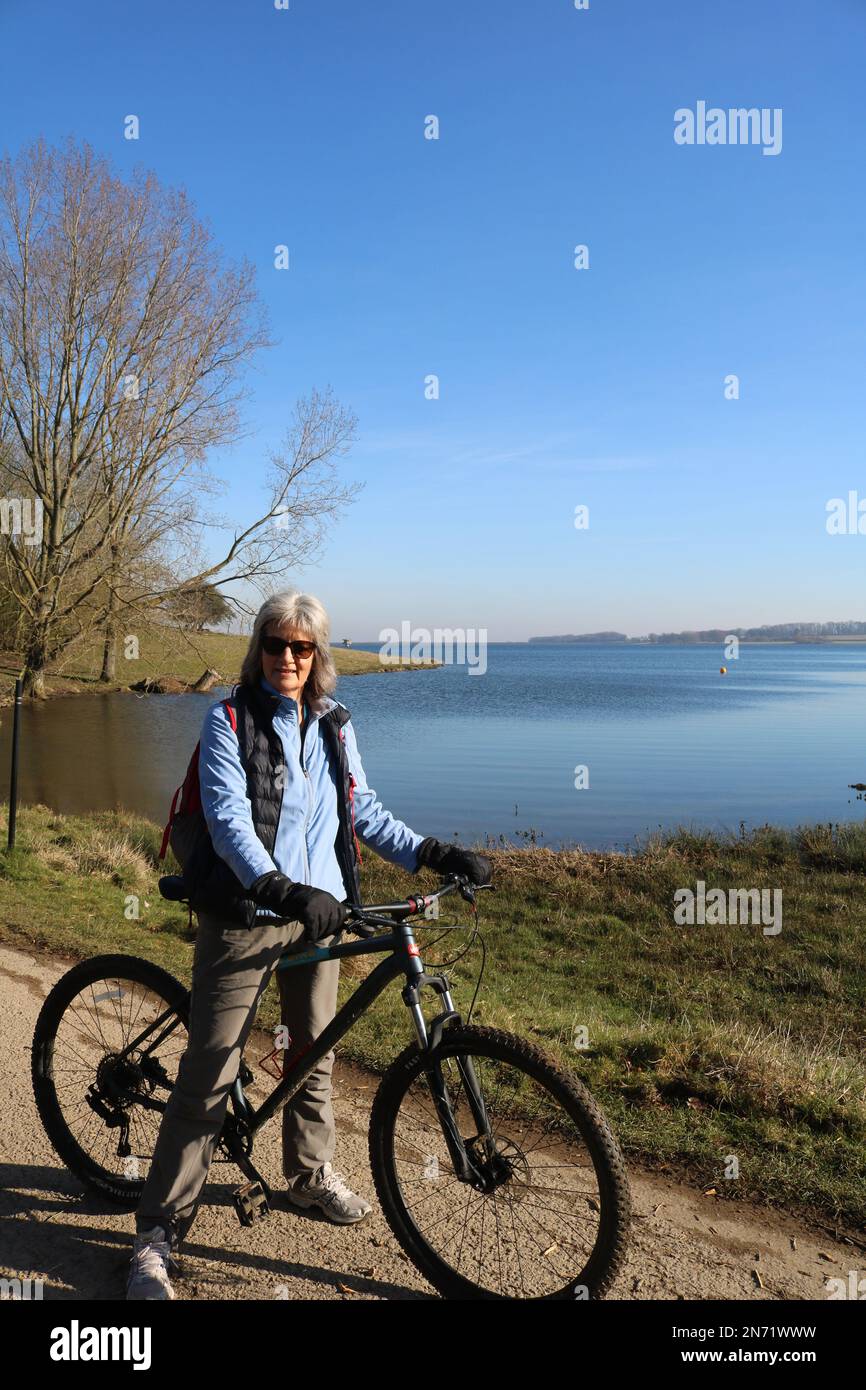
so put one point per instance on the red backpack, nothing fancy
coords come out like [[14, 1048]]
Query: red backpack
[[187, 827]]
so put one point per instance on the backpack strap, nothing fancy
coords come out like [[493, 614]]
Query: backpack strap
[[192, 775], [165, 834], [352, 785]]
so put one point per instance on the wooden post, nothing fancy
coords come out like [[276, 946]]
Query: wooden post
[[13, 785]]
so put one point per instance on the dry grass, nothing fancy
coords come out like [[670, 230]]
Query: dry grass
[[86, 846]]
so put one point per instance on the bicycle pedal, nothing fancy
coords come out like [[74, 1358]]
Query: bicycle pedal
[[251, 1203]]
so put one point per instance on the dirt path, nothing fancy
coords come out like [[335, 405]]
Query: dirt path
[[684, 1245]]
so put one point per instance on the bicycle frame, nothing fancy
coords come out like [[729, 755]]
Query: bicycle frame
[[403, 959]]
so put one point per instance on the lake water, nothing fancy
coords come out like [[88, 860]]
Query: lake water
[[666, 740]]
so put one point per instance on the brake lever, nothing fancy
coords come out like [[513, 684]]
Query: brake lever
[[362, 929], [468, 890], [357, 927]]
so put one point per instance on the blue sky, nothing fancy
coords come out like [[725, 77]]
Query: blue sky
[[559, 387]]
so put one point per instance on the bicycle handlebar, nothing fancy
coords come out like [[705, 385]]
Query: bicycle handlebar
[[373, 915], [173, 889]]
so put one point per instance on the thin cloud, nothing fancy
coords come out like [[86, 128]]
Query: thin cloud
[[553, 455]]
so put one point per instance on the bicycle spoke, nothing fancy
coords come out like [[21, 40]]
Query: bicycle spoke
[[97, 1027], [528, 1227]]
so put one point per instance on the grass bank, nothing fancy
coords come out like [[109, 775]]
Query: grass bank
[[703, 1041], [173, 655]]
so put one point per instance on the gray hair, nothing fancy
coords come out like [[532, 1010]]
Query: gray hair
[[308, 616]]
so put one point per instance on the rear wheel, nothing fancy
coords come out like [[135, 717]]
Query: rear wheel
[[548, 1213], [106, 1049]]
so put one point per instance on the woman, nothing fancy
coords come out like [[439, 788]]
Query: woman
[[285, 797]]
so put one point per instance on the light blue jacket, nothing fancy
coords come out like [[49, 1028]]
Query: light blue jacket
[[307, 827]]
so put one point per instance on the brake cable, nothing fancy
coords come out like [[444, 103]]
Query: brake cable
[[454, 960]]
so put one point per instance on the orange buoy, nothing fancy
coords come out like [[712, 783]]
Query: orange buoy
[[723, 670]]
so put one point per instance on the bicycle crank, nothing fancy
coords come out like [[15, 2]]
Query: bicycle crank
[[253, 1198]]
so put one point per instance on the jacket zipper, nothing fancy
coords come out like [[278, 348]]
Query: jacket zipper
[[309, 787]]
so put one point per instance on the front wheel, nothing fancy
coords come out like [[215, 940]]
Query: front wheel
[[547, 1212]]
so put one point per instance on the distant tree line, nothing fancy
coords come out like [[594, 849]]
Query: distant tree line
[[772, 632], [769, 632]]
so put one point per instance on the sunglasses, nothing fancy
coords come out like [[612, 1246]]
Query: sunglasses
[[275, 646]]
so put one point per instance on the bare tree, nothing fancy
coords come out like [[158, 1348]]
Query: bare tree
[[123, 338]]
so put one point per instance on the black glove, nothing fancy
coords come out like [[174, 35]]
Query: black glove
[[319, 911], [451, 859]]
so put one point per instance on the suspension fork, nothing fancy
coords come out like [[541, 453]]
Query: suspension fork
[[429, 1038]]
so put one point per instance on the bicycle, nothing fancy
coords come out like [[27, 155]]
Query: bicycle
[[458, 1124]]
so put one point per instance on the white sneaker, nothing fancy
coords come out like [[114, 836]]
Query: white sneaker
[[329, 1191], [148, 1269]]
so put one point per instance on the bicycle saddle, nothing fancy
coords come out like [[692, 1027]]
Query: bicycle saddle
[[173, 887]]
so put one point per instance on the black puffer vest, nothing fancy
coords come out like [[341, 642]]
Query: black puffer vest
[[217, 890]]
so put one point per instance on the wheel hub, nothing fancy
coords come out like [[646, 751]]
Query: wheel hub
[[119, 1080], [495, 1165]]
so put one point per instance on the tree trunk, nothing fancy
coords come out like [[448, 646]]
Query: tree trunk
[[35, 660], [109, 645], [109, 651], [207, 680]]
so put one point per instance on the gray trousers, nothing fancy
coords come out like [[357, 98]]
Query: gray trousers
[[231, 970]]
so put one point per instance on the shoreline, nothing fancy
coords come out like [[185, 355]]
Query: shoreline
[[60, 686], [743, 641]]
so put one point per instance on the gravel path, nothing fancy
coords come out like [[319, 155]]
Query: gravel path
[[684, 1244]]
